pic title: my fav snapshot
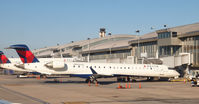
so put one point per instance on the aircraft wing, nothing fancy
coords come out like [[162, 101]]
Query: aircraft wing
[[43, 72], [97, 75]]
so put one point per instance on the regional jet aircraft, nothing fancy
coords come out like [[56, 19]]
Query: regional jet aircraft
[[91, 71], [5, 63], [15, 64]]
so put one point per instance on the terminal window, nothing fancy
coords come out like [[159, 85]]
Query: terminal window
[[164, 35]]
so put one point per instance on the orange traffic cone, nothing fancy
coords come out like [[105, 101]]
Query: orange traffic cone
[[119, 86], [89, 83], [96, 84], [126, 85], [140, 85], [129, 85], [38, 77]]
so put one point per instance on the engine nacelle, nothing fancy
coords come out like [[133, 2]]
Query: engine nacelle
[[20, 65], [56, 64]]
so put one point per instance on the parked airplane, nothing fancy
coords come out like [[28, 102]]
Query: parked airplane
[[91, 71], [5, 63], [15, 64]]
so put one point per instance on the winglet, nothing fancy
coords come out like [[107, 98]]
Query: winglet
[[24, 53], [3, 58]]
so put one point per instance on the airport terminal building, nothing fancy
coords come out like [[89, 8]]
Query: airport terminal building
[[175, 47]]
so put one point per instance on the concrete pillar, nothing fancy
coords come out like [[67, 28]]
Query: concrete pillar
[[171, 50]]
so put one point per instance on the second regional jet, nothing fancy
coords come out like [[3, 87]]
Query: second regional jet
[[91, 71], [5, 63], [15, 64]]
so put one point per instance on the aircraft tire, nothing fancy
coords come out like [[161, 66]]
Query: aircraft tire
[[119, 79], [87, 80]]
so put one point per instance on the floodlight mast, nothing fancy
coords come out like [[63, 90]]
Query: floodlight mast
[[137, 32], [88, 49]]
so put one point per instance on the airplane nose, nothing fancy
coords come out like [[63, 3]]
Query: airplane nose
[[176, 73]]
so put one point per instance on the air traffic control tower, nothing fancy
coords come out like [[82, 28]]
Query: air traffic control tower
[[102, 32]]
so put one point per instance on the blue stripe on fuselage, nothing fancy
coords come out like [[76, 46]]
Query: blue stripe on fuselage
[[81, 75]]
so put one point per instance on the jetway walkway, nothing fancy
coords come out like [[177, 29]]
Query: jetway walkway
[[175, 61], [170, 61]]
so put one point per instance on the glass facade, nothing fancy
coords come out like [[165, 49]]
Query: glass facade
[[188, 45], [164, 35], [169, 50], [191, 45], [149, 48]]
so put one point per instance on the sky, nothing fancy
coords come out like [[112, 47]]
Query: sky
[[41, 23]]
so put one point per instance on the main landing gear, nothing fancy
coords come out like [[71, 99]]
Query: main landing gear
[[91, 79], [125, 79], [150, 78], [43, 76]]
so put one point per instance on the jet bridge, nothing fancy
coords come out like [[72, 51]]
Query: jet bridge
[[175, 61], [181, 63]]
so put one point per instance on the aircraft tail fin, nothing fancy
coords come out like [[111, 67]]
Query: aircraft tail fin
[[24, 53], [3, 58]]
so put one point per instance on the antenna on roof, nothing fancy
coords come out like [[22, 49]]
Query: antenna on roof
[[137, 31]]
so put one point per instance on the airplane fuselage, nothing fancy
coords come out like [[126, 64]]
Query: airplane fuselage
[[12, 66], [109, 69], [17, 65]]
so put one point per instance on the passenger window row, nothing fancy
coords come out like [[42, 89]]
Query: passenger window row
[[110, 67]]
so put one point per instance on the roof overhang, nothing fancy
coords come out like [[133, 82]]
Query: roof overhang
[[188, 34], [106, 49], [143, 40]]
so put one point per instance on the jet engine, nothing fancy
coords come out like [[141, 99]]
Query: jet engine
[[56, 64], [20, 65]]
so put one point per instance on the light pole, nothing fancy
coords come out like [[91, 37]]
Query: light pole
[[110, 50], [60, 50], [88, 49], [138, 31]]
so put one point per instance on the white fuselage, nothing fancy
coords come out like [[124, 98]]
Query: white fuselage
[[13, 65], [17, 65], [111, 69]]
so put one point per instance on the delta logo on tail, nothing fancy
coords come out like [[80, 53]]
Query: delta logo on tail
[[3, 58], [24, 53]]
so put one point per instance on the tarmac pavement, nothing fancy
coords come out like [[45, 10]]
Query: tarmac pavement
[[75, 91]]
